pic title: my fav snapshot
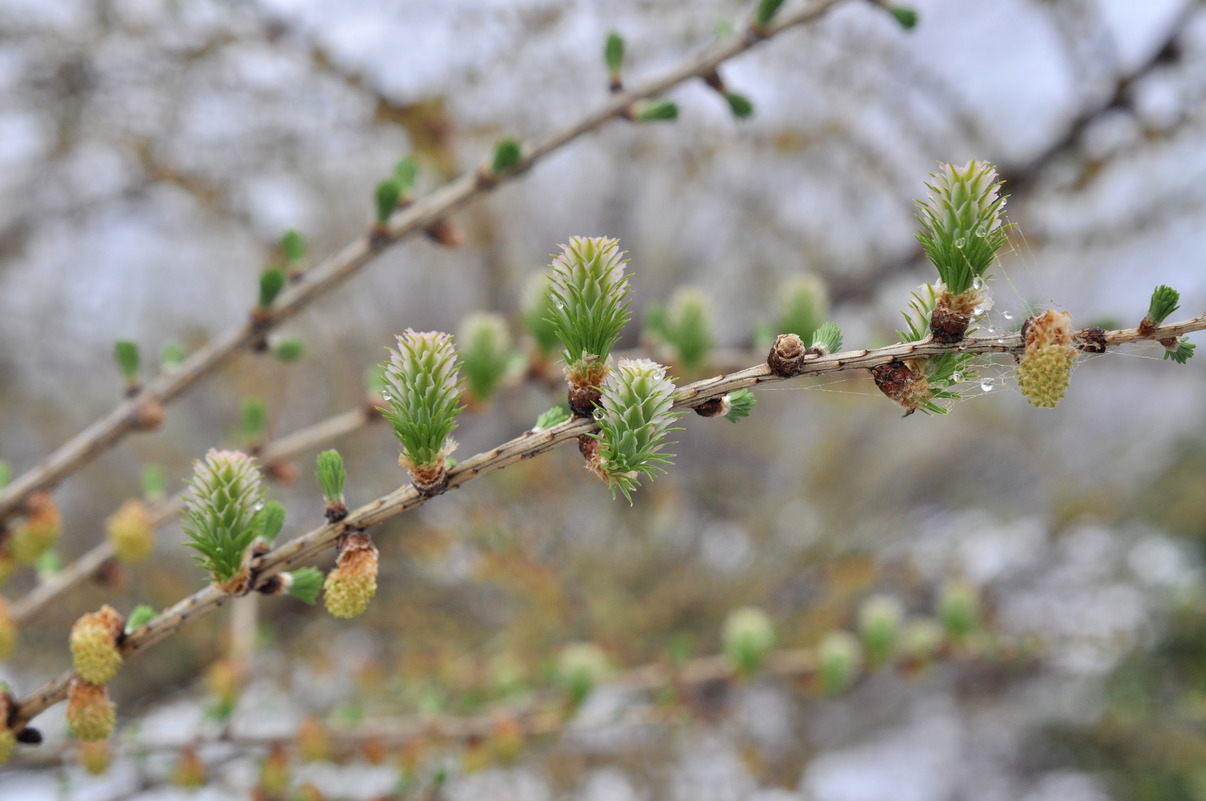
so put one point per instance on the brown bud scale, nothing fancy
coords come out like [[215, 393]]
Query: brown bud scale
[[904, 384], [583, 400], [948, 326], [429, 480], [786, 357], [485, 177], [237, 585], [588, 446], [149, 414], [714, 81], [445, 233], [378, 236], [273, 585]]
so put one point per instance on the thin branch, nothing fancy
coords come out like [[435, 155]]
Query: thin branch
[[542, 712], [319, 434], [323, 278], [526, 446]]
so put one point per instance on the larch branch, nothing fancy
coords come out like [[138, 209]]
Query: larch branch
[[526, 446]]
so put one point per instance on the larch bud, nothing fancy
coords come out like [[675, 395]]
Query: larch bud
[[588, 307], [94, 651], [959, 608], [274, 772], [220, 516], [8, 631], [352, 584], [331, 477], [95, 756], [131, 531], [7, 564], [190, 770], [961, 222], [224, 680], [879, 619], [749, 636], [581, 666], [839, 660], [313, 743], [486, 355], [1046, 363], [8, 738], [961, 233], [920, 641], [38, 531], [90, 714], [904, 383], [149, 414], [422, 392], [687, 327], [803, 305], [786, 357], [636, 415]]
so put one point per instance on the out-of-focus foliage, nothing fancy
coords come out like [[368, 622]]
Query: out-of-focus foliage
[[154, 155]]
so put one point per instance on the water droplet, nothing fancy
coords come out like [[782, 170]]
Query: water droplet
[[1007, 315], [981, 231], [960, 242], [559, 304], [956, 377], [978, 310], [986, 385], [977, 283], [386, 396], [599, 414], [990, 329], [1000, 342]]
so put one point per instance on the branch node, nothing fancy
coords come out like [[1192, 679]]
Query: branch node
[[485, 178], [583, 400], [378, 237], [786, 357], [1091, 340], [148, 414]]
